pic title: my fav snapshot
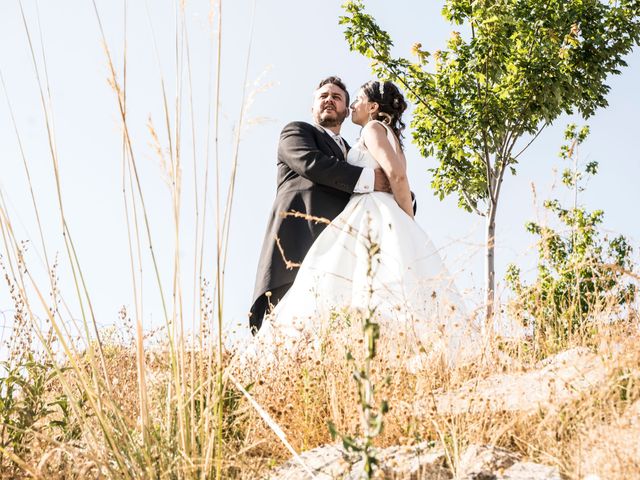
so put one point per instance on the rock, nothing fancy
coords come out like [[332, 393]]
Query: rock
[[411, 463], [557, 380], [530, 471], [331, 461], [418, 462], [486, 462], [326, 462], [479, 462]]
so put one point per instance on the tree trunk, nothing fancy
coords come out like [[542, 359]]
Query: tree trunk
[[490, 271]]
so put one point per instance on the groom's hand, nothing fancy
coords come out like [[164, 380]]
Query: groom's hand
[[381, 182]]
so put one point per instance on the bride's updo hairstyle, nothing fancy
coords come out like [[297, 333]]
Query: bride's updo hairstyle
[[391, 104]]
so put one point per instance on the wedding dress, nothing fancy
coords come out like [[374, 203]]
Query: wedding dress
[[372, 259]]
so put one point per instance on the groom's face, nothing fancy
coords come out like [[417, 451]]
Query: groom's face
[[329, 106]]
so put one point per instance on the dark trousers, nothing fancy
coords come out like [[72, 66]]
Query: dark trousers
[[263, 305]]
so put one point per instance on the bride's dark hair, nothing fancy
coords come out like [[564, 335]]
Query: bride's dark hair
[[391, 104]]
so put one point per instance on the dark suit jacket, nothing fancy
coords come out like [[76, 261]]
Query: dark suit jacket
[[313, 178]]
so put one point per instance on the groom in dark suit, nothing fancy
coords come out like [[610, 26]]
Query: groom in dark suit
[[313, 179]]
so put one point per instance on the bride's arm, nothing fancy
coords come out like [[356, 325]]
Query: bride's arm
[[393, 165]]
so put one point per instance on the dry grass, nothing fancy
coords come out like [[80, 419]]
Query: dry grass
[[104, 432], [303, 395]]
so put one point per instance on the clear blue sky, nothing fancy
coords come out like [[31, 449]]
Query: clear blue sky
[[295, 43]]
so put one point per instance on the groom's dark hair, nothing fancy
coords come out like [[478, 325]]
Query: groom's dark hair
[[337, 81]]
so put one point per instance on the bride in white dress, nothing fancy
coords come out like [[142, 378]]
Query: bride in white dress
[[373, 257]]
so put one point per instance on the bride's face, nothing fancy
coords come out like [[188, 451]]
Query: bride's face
[[362, 109]]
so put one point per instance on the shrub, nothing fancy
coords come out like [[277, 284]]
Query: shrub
[[580, 272]]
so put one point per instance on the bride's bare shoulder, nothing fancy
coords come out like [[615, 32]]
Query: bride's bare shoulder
[[374, 130], [375, 126]]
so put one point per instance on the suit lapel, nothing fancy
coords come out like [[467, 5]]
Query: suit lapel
[[333, 146]]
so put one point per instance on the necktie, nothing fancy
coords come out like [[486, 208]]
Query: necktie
[[341, 144]]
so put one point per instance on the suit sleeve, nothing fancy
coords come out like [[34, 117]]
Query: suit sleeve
[[298, 148]]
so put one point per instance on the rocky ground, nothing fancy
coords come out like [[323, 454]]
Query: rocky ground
[[606, 452]]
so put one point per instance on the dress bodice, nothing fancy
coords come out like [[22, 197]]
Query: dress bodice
[[360, 156]]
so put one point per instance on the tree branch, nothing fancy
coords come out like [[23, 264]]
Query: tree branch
[[532, 140], [487, 164], [506, 155], [502, 169], [400, 76], [487, 156], [472, 204]]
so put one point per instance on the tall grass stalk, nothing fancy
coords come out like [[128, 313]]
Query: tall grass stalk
[[25, 164], [196, 320], [82, 293], [193, 420], [218, 285], [273, 425]]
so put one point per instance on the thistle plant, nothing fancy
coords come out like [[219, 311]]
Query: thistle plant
[[372, 416]]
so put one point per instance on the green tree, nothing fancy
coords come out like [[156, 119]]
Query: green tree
[[580, 273], [484, 99]]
